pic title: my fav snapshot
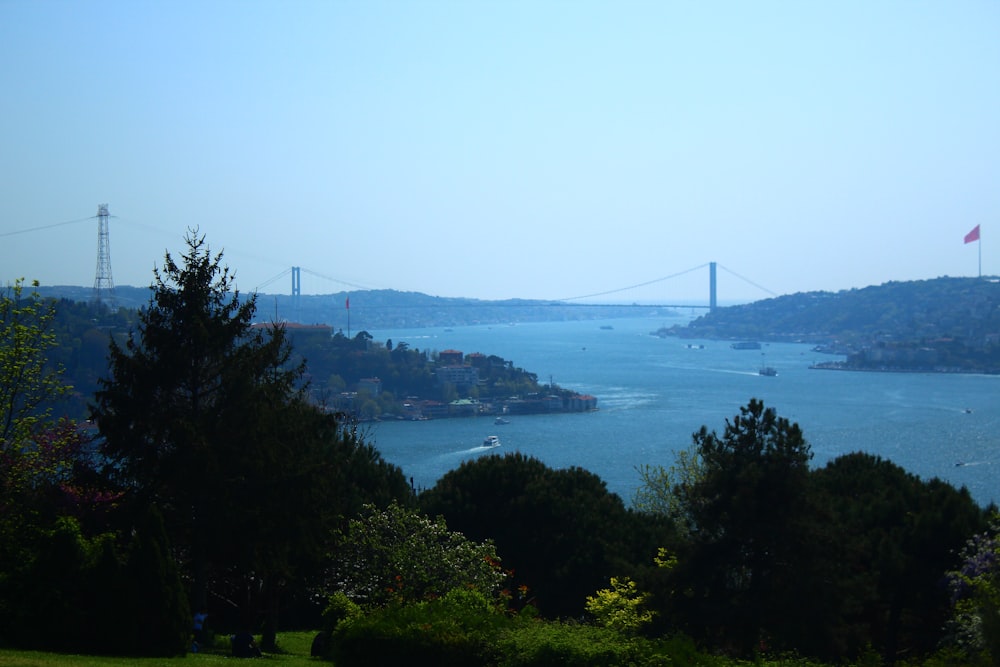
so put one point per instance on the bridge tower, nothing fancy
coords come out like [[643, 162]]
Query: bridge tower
[[296, 290], [104, 285], [711, 287]]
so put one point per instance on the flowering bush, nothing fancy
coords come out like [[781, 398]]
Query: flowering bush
[[975, 589], [399, 555]]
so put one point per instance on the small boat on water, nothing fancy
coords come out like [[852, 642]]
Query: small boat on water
[[491, 441], [500, 421], [768, 371], [746, 345]]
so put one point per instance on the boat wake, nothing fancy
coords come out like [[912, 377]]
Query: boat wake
[[461, 453]]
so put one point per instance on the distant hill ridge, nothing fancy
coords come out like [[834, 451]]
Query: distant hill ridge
[[389, 309], [953, 322], [967, 308]]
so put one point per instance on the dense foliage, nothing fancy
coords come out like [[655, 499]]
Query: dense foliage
[[28, 382], [826, 562], [397, 555], [338, 365], [206, 417], [903, 534], [464, 630], [561, 532], [975, 590], [226, 486], [749, 529]]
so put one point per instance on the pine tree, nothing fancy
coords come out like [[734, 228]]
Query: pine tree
[[747, 510], [175, 411], [205, 416]]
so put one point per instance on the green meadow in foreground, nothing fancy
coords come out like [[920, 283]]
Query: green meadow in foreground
[[295, 648]]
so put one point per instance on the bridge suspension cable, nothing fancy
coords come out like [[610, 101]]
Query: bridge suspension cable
[[336, 280], [623, 289], [271, 280], [748, 281]]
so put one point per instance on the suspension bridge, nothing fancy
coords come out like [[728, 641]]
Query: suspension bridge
[[294, 273], [103, 290]]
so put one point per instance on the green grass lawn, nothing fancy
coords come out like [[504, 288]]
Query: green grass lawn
[[294, 645]]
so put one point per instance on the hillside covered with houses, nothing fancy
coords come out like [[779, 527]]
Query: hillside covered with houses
[[385, 380], [940, 325], [358, 375]]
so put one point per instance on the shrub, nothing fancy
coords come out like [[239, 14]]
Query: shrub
[[620, 607], [540, 644], [459, 630], [339, 608], [83, 595]]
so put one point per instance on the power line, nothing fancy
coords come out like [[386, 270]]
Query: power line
[[55, 224]]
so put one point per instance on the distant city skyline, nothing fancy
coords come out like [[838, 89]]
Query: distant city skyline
[[539, 150]]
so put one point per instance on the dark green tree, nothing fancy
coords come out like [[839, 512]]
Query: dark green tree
[[747, 525], [561, 532], [174, 412], [154, 618], [898, 536], [204, 415]]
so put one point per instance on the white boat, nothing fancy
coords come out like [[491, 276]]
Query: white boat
[[500, 421], [491, 441]]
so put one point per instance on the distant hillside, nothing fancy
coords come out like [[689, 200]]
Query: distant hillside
[[355, 374], [390, 309], [940, 324]]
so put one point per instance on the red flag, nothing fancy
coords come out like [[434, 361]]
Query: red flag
[[973, 235], [347, 304]]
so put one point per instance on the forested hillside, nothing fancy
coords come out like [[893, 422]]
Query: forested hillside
[[940, 324], [360, 376], [388, 309]]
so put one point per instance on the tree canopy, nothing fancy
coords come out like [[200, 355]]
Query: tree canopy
[[561, 532], [204, 415], [830, 562]]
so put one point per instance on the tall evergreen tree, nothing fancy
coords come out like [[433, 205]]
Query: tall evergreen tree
[[205, 416], [182, 393], [748, 521]]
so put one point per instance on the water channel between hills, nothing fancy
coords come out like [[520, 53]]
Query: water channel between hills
[[654, 393]]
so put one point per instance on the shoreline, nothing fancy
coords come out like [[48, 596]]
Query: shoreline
[[839, 366]]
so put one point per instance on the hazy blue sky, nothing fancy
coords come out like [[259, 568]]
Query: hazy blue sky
[[504, 149]]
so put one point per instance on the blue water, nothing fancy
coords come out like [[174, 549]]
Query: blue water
[[654, 393]]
